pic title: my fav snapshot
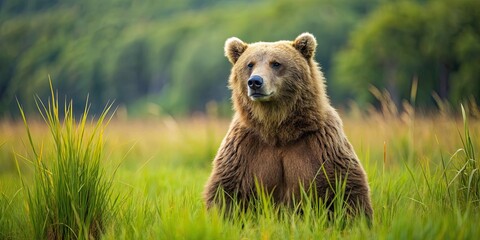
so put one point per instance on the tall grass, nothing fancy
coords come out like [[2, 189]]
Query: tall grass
[[423, 177], [71, 196], [162, 187], [466, 181]]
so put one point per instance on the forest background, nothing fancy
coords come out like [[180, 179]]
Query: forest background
[[166, 57]]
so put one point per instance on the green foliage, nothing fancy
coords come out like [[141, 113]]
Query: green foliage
[[169, 51], [71, 196], [433, 41]]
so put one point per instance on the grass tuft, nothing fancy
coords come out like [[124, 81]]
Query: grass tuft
[[468, 174], [71, 196]]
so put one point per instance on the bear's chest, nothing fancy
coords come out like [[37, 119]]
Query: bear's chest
[[282, 170]]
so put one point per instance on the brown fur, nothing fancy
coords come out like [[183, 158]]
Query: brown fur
[[284, 140]]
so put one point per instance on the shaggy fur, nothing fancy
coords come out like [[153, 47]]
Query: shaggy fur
[[292, 139]]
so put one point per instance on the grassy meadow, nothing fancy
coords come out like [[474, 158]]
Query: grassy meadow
[[148, 176]]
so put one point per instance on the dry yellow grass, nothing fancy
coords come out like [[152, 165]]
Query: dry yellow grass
[[166, 140]]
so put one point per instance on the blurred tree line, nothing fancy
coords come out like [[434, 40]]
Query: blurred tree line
[[437, 42], [169, 53]]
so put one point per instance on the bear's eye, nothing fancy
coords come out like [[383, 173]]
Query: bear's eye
[[250, 65], [275, 64]]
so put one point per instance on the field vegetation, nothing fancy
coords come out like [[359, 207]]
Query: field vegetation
[[149, 175]]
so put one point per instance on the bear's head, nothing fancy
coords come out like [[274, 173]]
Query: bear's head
[[272, 81]]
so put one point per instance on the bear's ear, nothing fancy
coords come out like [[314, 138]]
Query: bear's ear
[[234, 47], [305, 43]]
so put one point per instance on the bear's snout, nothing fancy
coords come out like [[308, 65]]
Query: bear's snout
[[255, 82], [258, 89]]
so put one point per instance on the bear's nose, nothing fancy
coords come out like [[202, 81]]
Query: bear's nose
[[255, 82]]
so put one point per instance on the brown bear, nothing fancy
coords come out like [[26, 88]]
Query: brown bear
[[284, 135]]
